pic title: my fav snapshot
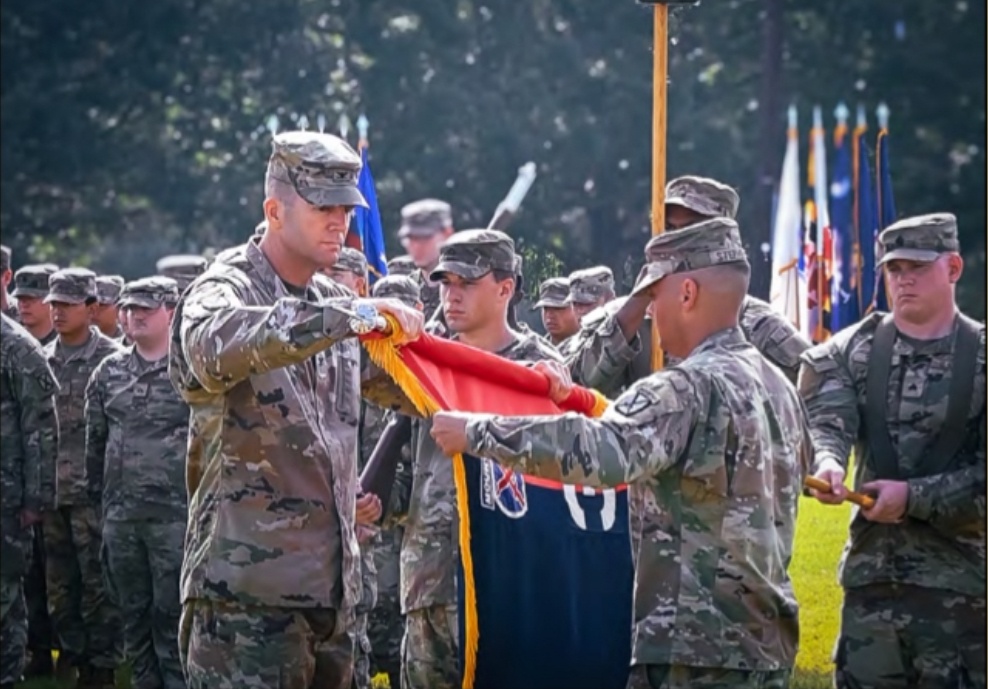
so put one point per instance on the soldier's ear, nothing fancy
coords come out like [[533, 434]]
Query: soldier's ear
[[688, 291], [955, 267], [273, 212]]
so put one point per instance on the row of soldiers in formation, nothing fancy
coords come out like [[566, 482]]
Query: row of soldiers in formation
[[280, 554]]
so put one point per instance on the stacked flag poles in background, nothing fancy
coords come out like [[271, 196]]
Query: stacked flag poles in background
[[833, 247]]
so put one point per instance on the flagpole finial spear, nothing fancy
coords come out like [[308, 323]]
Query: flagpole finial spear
[[321, 123], [841, 112], [303, 123], [272, 124], [862, 117], [362, 126], [793, 116], [882, 112], [343, 125], [817, 117]]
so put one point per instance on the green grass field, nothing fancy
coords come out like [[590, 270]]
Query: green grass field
[[820, 536]]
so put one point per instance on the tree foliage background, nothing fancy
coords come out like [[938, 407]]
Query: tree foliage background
[[132, 130]]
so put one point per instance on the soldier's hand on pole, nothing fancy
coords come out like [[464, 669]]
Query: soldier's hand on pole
[[560, 381], [891, 499], [832, 474], [368, 509], [409, 319]]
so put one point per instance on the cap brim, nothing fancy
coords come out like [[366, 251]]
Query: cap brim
[[920, 255], [468, 271], [142, 302], [28, 292], [333, 196], [417, 231], [64, 298], [650, 275], [551, 304], [107, 302], [693, 205], [582, 300]]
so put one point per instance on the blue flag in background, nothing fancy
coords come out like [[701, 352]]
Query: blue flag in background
[[865, 221], [367, 228], [844, 309], [886, 209]]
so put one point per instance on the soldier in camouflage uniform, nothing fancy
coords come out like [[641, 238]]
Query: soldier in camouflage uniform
[[30, 290], [6, 275], [83, 616], [182, 268], [107, 293], [136, 434], [477, 271], [590, 288], [558, 316], [714, 450], [906, 392], [350, 271], [29, 443], [425, 225], [265, 358], [401, 265], [385, 623], [609, 341]]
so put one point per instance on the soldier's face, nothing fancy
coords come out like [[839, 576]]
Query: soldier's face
[[425, 250], [348, 279], [34, 312], [147, 325], [560, 323], [922, 291], [70, 319], [472, 304], [316, 234], [106, 316]]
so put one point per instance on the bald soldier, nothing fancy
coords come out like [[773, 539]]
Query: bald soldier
[[906, 392], [477, 271], [558, 317], [714, 450], [602, 357], [263, 351], [425, 225], [105, 315]]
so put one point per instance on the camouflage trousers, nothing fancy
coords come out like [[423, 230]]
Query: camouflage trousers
[[430, 650], [358, 631], [142, 561], [232, 646], [895, 636], [13, 629], [84, 618], [385, 624], [685, 677], [40, 636]]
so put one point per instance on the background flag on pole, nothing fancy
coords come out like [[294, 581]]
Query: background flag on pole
[[818, 242], [865, 220], [785, 289], [844, 306], [886, 199], [366, 230]]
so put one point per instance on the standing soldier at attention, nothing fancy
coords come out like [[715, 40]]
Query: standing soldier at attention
[[558, 316], [29, 443], [350, 271], [6, 275], [602, 357], [906, 392], [263, 351], [590, 288], [425, 225], [136, 433], [105, 318], [30, 290], [82, 615], [714, 450]]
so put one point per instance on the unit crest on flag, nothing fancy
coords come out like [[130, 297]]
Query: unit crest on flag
[[502, 488]]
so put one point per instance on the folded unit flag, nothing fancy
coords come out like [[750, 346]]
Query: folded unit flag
[[546, 571]]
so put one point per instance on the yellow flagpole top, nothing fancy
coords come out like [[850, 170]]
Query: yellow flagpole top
[[660, 73]]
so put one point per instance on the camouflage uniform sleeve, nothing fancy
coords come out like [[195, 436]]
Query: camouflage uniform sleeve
[[598, 357], [774, 336], [827, 389], [226, 341], [644, 432], [952, 498], [36, 386], [97, 431]]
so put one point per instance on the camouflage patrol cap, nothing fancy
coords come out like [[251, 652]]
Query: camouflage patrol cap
[[401, 265], [920, 238], [182, 268], [5, 256], [703, 195], [322, 168], [150, 293], [587, 286], [424, 218], [472, 254], [351, 260], [400, 287], [553, 293], [108, 288], [32, 281], [709, 243], [71, 286]]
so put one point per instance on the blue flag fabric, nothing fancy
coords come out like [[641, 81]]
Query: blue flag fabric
[[844, 309], [367, 224], [866, 223], [886, 209], [554, 580]]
